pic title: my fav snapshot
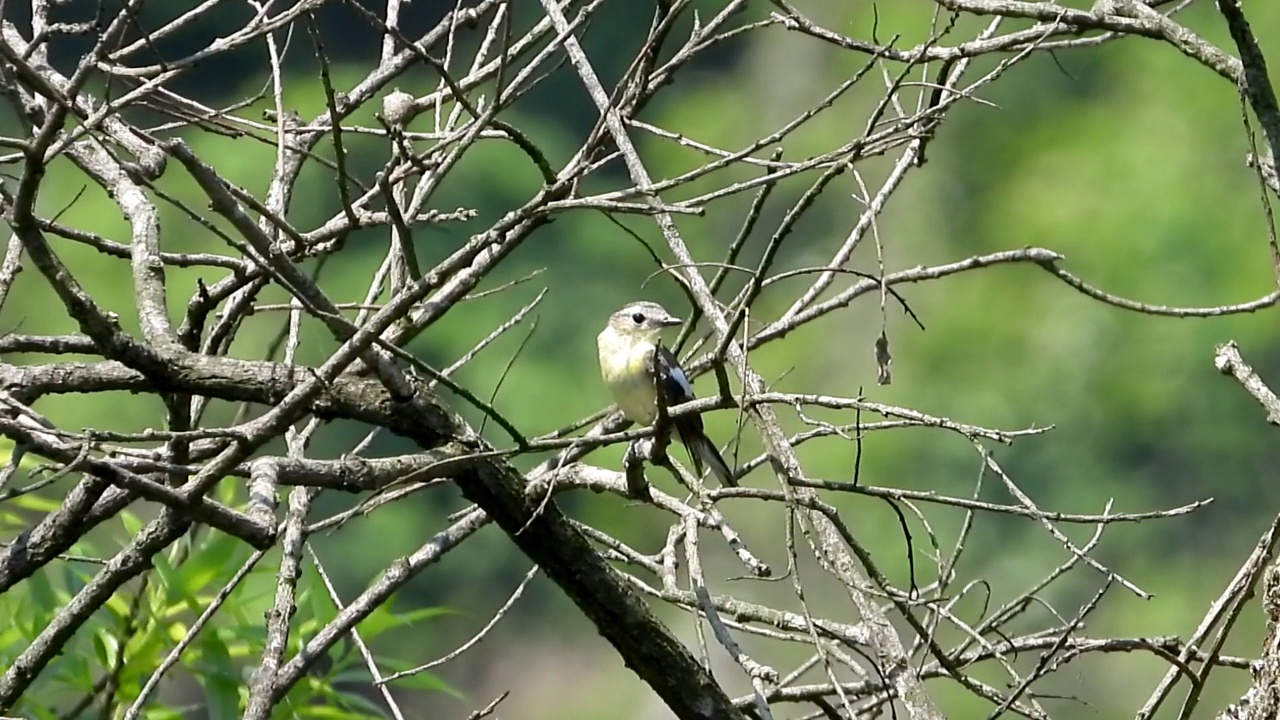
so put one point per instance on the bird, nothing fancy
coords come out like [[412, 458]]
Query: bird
[[628, 347]]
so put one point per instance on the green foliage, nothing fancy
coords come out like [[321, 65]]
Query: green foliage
[[152, 616]]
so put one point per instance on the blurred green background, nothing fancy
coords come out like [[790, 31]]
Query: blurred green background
[[1127, 158]]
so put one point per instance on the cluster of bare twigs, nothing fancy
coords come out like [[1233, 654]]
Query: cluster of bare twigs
[[877, 656]]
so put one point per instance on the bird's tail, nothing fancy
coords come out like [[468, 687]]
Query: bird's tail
[[704, 452]]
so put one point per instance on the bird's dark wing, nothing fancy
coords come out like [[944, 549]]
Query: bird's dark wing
[[676, 388]]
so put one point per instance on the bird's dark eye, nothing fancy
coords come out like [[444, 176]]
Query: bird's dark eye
[[638, 318]]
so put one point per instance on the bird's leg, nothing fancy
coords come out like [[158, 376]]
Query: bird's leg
[[633, 461], [633, 470]]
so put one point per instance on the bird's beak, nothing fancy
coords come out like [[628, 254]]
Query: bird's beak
[[670, 321]]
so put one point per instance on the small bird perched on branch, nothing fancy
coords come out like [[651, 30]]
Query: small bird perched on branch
[[630, 352]]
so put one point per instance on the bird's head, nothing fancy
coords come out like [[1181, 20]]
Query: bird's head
[[642, 320]]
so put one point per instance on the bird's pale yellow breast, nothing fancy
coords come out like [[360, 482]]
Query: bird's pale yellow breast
[[624, 366]]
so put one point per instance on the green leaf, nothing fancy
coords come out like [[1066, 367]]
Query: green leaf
[[12, 520], [104, 647], [344, 706], [219, 679], [356, 701], [35, 502], [131, 522], [383, 619], [42, 591], [72, 669], [426, 681], [74, 578]]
